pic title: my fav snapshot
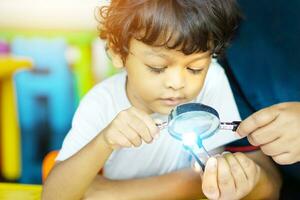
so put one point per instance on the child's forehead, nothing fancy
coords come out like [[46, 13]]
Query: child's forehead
[[141, 49], [173, 30]]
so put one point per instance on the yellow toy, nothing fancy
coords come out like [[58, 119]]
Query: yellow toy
[[9, 129], [10, 191]]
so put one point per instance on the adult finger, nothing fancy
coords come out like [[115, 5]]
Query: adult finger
[[274, 148], [257, 120], [284, 158], [264, 134]]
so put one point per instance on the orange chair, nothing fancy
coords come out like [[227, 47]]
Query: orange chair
[[48, 163]]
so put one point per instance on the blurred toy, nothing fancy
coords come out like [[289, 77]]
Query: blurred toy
[[9, 127], [4, 48], [45, 101]]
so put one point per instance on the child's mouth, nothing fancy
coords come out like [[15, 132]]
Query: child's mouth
[[172, 101]]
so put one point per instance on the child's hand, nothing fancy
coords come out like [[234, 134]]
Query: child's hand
[[129, 128], [231, 176], [276, 130]]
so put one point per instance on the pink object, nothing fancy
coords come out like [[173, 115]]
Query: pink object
[[4, 48]]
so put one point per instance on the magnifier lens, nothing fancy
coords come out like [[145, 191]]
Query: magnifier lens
[[191, 123], [201, 123]]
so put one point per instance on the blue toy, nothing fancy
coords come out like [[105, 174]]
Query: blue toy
[[45, 101]]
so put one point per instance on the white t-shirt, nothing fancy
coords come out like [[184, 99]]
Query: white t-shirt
[[102, 103]]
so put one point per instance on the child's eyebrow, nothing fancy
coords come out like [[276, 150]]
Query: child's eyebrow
[[204, 55], [164, 56], [152, 53]]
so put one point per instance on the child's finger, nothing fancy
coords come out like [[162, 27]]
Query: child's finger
[[210, 182], [238, 174], [139, 127], [132, 136], [153, 129], [249, 167], [118, 140], [225, 179]]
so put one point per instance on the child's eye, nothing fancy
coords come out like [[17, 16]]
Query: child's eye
[[157, 70], [194, 71]]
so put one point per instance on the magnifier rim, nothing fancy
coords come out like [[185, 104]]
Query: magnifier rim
[[203, 136], [190, 107]]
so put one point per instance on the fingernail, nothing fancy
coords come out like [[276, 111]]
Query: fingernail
[[225, 152], [197, 167], [211, 164], [213, 195]]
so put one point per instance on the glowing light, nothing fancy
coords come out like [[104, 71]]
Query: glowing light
[[189, 139]]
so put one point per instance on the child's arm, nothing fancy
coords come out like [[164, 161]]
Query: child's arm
[[71, 178], [184, 184], [223, 180]]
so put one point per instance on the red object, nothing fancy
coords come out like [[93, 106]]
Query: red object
[[242, 148]]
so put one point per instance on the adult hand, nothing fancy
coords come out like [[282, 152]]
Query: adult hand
[[276, 129]]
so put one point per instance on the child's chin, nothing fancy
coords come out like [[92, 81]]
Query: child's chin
[[164, 110]]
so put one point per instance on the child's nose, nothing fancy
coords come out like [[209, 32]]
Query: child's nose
[[175, 79]]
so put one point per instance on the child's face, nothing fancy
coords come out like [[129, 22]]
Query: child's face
[[160, 79]]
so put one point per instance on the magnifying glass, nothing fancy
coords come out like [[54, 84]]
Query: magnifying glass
[[193, 123]]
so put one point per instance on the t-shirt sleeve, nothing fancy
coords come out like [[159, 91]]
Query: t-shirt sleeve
[[87, 123]]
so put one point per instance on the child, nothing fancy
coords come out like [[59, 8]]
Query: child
[[166, 48]]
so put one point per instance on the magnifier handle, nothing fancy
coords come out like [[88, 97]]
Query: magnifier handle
[[161, 125], [230, 125], [197, 159]]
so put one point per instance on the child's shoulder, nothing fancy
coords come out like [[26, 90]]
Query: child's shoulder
[[109, 89], [215, 70], [110, 84], [215, 82], [215, 75]]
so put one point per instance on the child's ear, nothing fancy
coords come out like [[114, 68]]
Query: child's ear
[[116, 59]]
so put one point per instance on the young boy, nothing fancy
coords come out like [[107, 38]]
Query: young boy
[[166, 48]]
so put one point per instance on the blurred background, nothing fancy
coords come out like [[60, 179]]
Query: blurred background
[[50, 56]]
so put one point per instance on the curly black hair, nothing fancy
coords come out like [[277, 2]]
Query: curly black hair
[[186, 25]]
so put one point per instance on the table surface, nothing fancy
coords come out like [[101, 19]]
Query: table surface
[[12, 191]]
